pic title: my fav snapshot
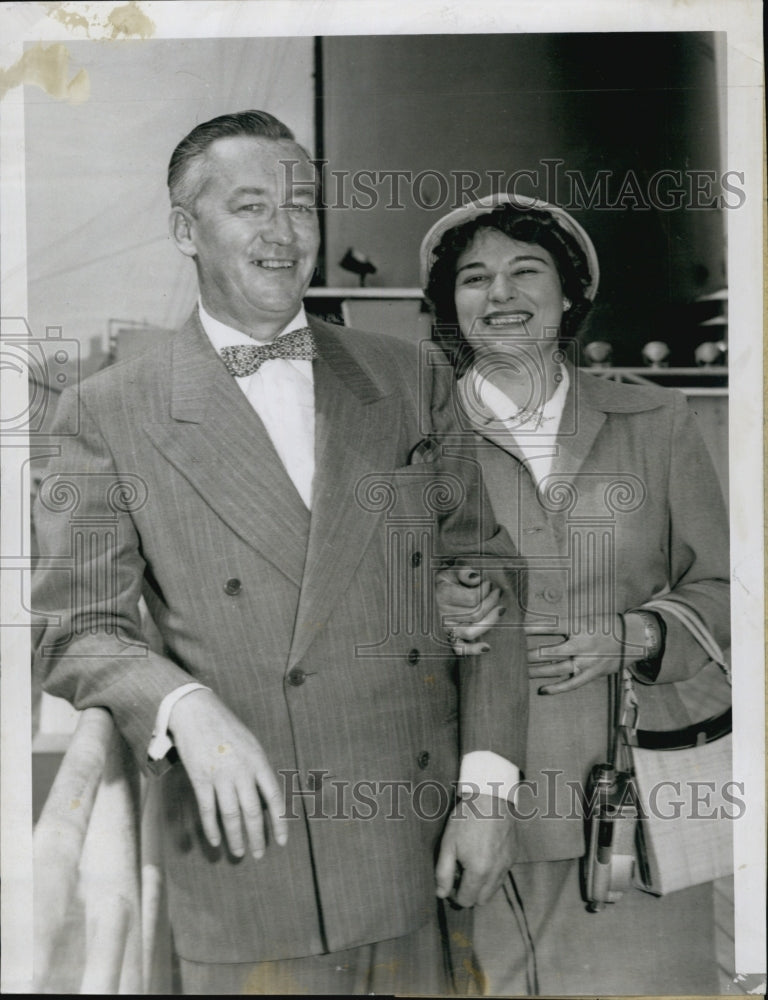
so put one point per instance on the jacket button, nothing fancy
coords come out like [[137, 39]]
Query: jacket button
[[233, 587], [296, 677], [423, 759], [552, 595], [416, 559], [413, 657]]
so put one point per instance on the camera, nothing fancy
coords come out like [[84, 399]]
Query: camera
[[609, 862]]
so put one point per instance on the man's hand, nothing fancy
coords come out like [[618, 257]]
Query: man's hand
[[228, 769], [469, 606], [477, 849]]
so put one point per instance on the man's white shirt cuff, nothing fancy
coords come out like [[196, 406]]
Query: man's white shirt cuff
[[161, 741], [484, 772]]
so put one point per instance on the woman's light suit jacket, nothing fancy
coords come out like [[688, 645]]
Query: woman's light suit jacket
[[631, 508]]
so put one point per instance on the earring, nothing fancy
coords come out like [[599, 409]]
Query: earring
[[566, 304]]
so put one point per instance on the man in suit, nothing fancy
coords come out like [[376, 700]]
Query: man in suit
[[305, 714]]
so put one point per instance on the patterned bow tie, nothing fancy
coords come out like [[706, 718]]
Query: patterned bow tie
[[245, 359]]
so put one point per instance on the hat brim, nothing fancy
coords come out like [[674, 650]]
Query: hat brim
[[484, 205]]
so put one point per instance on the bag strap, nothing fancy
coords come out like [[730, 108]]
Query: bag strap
[[622, 715], [627, 715], [698, 733], [695, 735], [691, 619]]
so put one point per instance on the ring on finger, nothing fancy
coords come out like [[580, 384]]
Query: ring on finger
[[453, 636]]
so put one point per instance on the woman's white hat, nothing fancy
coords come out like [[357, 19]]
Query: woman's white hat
[[483, 205]]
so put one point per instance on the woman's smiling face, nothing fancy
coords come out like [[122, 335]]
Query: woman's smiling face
[[507, 293]]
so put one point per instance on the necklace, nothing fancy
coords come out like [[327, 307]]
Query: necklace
[[485, 405], [527, 415]]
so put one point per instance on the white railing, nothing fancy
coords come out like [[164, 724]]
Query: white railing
[[100, 923]]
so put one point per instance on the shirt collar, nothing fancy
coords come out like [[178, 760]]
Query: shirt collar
[[501, 408], [222, 335]]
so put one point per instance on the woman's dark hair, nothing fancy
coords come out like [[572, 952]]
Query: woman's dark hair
[[528, 225]]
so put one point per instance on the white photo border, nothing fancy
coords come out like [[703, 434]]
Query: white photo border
[[742, 23]]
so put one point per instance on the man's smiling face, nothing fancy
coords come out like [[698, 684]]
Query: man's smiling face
[[253, 232]]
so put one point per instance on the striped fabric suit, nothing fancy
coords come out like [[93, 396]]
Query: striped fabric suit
[[298, 622]]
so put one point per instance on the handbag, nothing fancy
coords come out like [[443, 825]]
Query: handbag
[[661, 808]]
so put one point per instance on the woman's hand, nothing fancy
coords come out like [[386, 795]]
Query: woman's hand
[[575, 660], [469, 606]]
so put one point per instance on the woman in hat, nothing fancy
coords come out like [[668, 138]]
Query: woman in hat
[[609, 493]]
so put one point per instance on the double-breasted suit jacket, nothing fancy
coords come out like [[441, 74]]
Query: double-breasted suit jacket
[[318, 629], [630, 508]]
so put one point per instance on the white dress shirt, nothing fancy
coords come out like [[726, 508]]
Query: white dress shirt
[[282, 394]]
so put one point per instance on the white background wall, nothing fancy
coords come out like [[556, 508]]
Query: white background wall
[[97, 203]]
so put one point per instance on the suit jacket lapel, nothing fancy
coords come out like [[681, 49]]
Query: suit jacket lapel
[[581, 422], [355, 435], [218, 443]]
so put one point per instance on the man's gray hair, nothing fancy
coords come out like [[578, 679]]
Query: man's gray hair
[[183, 180]]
